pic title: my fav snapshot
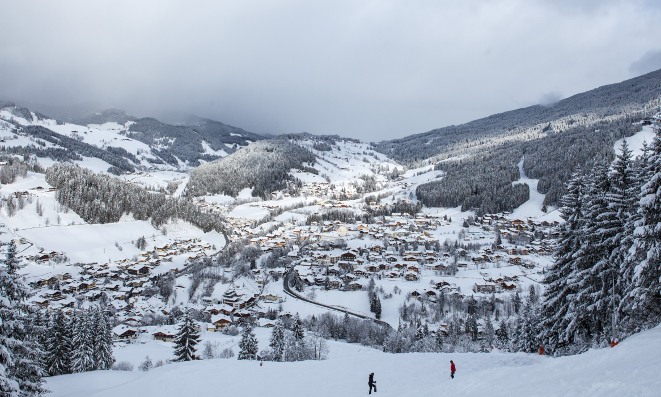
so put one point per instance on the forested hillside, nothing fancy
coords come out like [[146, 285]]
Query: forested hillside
[[101, 198], [65, 148], [263, 166], [556, 140], [177, 146]]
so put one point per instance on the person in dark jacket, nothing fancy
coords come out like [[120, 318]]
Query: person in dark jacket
[[372, 383], [453, 369]]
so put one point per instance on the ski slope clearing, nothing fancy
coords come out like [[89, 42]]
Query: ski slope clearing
[[532, 207], [630, 369], [635, 141]]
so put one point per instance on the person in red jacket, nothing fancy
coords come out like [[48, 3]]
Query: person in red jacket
[[453, 369]]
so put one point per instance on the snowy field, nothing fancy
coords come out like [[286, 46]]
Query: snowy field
[[635, 142], [630, 369]]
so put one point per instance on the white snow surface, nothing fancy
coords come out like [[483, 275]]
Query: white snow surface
[[533, 207], [629, 369], [636, 141]]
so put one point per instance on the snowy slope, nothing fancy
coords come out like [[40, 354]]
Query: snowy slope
[[630, 369], [635, 142], [532, 207]]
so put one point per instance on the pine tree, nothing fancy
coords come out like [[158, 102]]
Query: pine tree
[[103, 357], [277, 343], [58, 346], [345, 325], [377, 308], [471, 306], [28, 355], [439, 340], [642, 299], [517, 302], [82, 343], [641, 175], [471, 327], [186, 340], [526, 331], [501, 334], [248, 345], [419, 333], [298, 330], [557, 303], [489, 333], [95, 330], [592, 269], [622, 204], [20, 355]]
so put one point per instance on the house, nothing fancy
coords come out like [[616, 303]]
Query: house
[[41, 302], [124, 332], [165, 334], [266, 323], [348, 256], [270, 297], [335, 284], [412, 276], [484, 287], [355, 286], [441, 284], [515, 261], [220, 321], [138, 270]]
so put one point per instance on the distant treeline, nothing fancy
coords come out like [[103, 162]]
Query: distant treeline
[[99, 198]]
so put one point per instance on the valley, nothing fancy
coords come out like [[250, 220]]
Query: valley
[[324, 233]]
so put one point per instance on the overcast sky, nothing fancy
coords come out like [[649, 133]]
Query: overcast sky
[[368, 69]]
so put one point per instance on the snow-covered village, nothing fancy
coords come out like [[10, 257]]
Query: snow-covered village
[[152, 251]]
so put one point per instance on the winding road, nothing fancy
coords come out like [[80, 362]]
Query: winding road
[[293, 294]]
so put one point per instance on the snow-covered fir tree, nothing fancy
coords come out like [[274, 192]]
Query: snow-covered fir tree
[[20, 356], [57, 359], [277, 342], [642, 299], [502, 334], [248, 344], [526, 339], [103, 340], [557, 306], [377, 308], [594, 273], [298, 330], [489, 333], [82, 342], [186, 340]]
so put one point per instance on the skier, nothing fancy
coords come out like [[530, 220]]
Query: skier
[[372, 383], [453, 369]]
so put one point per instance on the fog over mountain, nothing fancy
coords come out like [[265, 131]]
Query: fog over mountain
[[374, 71]]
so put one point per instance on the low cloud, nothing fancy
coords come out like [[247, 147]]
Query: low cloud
[[550, 98], [649, 62]]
